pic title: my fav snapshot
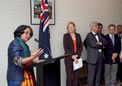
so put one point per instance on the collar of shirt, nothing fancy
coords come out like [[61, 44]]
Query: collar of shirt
[[96, 36], [120, 35], [94, 33], [110, 35]]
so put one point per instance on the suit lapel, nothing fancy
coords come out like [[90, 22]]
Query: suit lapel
[[93, 36], [114, 40], [71, 41], [76, 39], [99, 37], [110, 40]]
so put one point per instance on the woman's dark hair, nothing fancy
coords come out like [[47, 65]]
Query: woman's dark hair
[[20, 30]]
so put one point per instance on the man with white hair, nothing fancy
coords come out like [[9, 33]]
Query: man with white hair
[[95, 44]]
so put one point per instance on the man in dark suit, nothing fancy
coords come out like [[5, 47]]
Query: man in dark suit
[[95, 44], [119, 33], [112, 51], [119, 30], [100, 28]]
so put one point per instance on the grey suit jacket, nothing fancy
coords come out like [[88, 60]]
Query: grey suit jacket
[[93, 48]]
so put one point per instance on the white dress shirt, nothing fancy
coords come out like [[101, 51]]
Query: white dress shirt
[[112, 38], [96, 39], [96, 36]]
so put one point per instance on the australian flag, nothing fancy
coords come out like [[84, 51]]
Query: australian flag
[[44, 34]]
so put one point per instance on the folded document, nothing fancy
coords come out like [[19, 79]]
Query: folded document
[[78, 65]]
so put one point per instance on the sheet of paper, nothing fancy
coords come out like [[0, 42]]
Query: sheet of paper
[[78, 65]]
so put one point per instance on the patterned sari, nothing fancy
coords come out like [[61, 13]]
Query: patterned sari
[[29, 78]]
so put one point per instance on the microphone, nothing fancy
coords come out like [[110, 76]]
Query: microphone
[[36, 40]]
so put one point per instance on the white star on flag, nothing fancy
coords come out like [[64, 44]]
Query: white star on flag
[[46, 56]]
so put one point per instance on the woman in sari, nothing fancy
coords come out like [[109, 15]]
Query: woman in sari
[[19, 57]]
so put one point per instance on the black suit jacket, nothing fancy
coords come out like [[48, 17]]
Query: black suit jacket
[[69, 46], [110, 49]]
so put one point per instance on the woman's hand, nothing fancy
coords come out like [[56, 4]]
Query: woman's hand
[[76, 60], [32, 57], [35, 61], [37, 53], [74, 57]]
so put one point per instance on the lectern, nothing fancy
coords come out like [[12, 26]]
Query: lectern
[[48, 72]]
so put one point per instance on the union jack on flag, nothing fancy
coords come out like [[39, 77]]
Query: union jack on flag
[[44, 34], [44, 16]]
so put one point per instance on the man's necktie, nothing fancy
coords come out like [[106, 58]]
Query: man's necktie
[[112, 38]]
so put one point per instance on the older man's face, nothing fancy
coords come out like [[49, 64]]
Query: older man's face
[[111, 30], [94, 28]]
